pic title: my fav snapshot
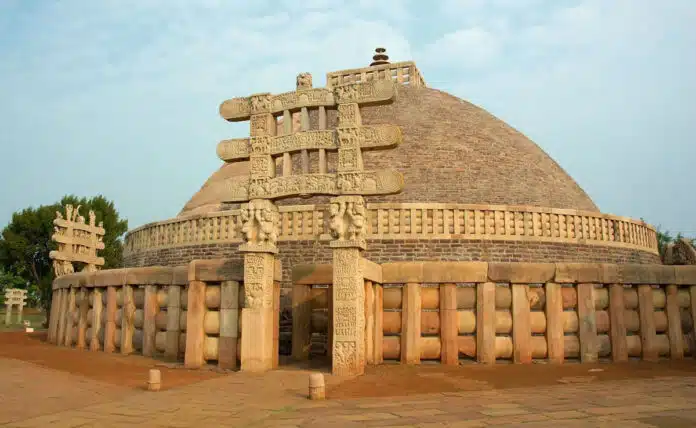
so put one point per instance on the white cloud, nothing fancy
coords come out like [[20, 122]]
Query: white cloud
[[137, 82]]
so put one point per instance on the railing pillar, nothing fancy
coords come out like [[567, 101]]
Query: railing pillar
[[171, 347], [485, 323], [617, 323], [411, 324], [587, 324], [229, 324], [195, 333], [521, 324], [449, 325], [110, 325], [554, 323], [97, 305], [646, 311]]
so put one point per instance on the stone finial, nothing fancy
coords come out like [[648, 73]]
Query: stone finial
[[380, 57], [304, 81]]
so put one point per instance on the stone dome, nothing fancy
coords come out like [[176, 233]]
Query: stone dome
[[452, 152]]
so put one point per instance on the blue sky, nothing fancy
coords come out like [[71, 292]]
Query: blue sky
[[120, 97]]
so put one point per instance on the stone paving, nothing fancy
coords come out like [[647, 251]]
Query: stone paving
[[277, 399]]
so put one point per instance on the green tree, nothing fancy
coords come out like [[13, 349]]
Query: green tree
[[26, 241], [665, 238]]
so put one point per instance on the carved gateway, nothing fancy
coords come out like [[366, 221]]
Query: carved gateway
[[77, 241], [349, 139], [260, 219]]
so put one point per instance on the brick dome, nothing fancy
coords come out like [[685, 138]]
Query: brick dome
[[452, 152]]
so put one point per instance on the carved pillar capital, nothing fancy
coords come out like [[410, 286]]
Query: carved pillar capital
[[348, 222], [260, 225]]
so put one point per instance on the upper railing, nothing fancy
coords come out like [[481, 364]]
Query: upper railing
[[404, 73], [412, 221]]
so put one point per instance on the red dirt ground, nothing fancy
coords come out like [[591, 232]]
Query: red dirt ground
[[129, 371], [379, 381], [399, 380]]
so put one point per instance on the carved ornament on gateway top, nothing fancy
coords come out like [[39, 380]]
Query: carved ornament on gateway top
[[370, 137], [367, 183], [240, 109]]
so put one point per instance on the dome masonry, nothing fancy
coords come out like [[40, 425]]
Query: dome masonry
[[445, 180], [452, 152]]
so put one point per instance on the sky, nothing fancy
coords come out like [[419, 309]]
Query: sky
[[121, 97]]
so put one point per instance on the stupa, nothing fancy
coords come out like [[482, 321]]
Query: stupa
[[376, 219], [474, 189]]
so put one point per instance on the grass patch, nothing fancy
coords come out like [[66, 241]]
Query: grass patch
[[35, 318]]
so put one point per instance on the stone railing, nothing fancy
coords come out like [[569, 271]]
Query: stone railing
[[405, 73], [189, 312], [412, 221], [452, 311]]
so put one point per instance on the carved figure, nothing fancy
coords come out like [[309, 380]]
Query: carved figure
[[245, 215], [268, 225], [304, 81], [336, 222], [356, 213]]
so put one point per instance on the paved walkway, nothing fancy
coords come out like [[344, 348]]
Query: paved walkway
[[277, 400]]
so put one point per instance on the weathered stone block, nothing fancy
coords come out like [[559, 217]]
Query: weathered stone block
[[110, 277], [312, 274], [149, 275], [685, 275], [572, 273], [521, 273], [646, 274]]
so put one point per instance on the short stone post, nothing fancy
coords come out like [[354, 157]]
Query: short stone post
[[154, 381], [317, 388]]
